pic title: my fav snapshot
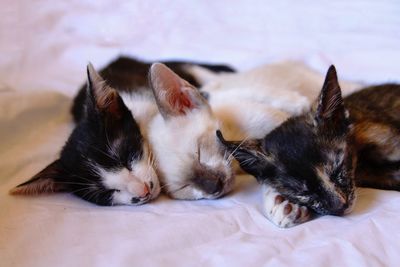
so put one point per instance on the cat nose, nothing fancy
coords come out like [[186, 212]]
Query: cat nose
[[340, 210], [146, 190], [145, 193], [339, 206], [210, 185], [139, 189]]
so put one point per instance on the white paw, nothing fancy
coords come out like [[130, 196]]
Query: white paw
[[280, 211]]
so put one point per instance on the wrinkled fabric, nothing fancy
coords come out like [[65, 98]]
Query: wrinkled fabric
[[44, 48]]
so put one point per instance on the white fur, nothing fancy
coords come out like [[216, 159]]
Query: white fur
[[275, 212], [142, 106], [177, 142], [132, 184], [252, 103]]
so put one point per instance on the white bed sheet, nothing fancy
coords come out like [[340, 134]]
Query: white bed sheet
[[44, 48]]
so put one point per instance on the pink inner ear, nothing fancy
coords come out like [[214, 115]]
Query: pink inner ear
[[176, 95], [180, 101]]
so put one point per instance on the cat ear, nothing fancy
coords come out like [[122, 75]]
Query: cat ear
[[248, 153], [174, 95], [41, 183], [103, 96], [330, 102]]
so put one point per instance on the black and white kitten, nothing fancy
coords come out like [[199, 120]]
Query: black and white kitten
[[106, 160], [315, 160]]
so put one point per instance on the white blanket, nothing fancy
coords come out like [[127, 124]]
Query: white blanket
[[44, 48]]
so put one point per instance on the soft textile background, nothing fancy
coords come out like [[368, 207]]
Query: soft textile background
[[44, 47]]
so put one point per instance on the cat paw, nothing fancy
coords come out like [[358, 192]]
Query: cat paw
[[281, 212]]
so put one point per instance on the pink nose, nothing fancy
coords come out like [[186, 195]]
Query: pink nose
[[146, 190]]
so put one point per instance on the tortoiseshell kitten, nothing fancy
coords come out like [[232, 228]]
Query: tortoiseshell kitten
[[315, 160]]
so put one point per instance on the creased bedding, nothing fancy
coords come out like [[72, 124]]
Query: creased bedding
[[44, 48]]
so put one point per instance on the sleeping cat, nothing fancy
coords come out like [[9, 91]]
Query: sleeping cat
[[106, 160], [313, 161], [177, 121]]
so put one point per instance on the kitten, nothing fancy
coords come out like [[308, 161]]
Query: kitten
[[178, 123], [315, 160], [192, 162], [106, 160]]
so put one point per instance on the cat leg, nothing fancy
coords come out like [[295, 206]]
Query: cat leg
[[280, 211]]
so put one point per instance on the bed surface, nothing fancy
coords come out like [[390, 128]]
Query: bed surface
[[44, 48]]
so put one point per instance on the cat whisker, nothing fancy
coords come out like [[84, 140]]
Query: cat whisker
[[248, 161], [81, 177], [163, 186], [180, 188], [108, 144], [231, 155], [73, 183], [81, 189], [92, 193], [100, 150], [167, 184]]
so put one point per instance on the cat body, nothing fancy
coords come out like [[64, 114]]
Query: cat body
[[314, 160], [375, 116], [252, 103]]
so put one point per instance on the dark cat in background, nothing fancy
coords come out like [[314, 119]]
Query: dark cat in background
[[315, 160]]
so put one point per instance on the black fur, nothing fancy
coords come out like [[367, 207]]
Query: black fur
[[360, 146], [289, 156]]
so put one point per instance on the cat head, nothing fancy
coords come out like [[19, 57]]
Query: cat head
[[308, 158], [192, 162], [106, 160]]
